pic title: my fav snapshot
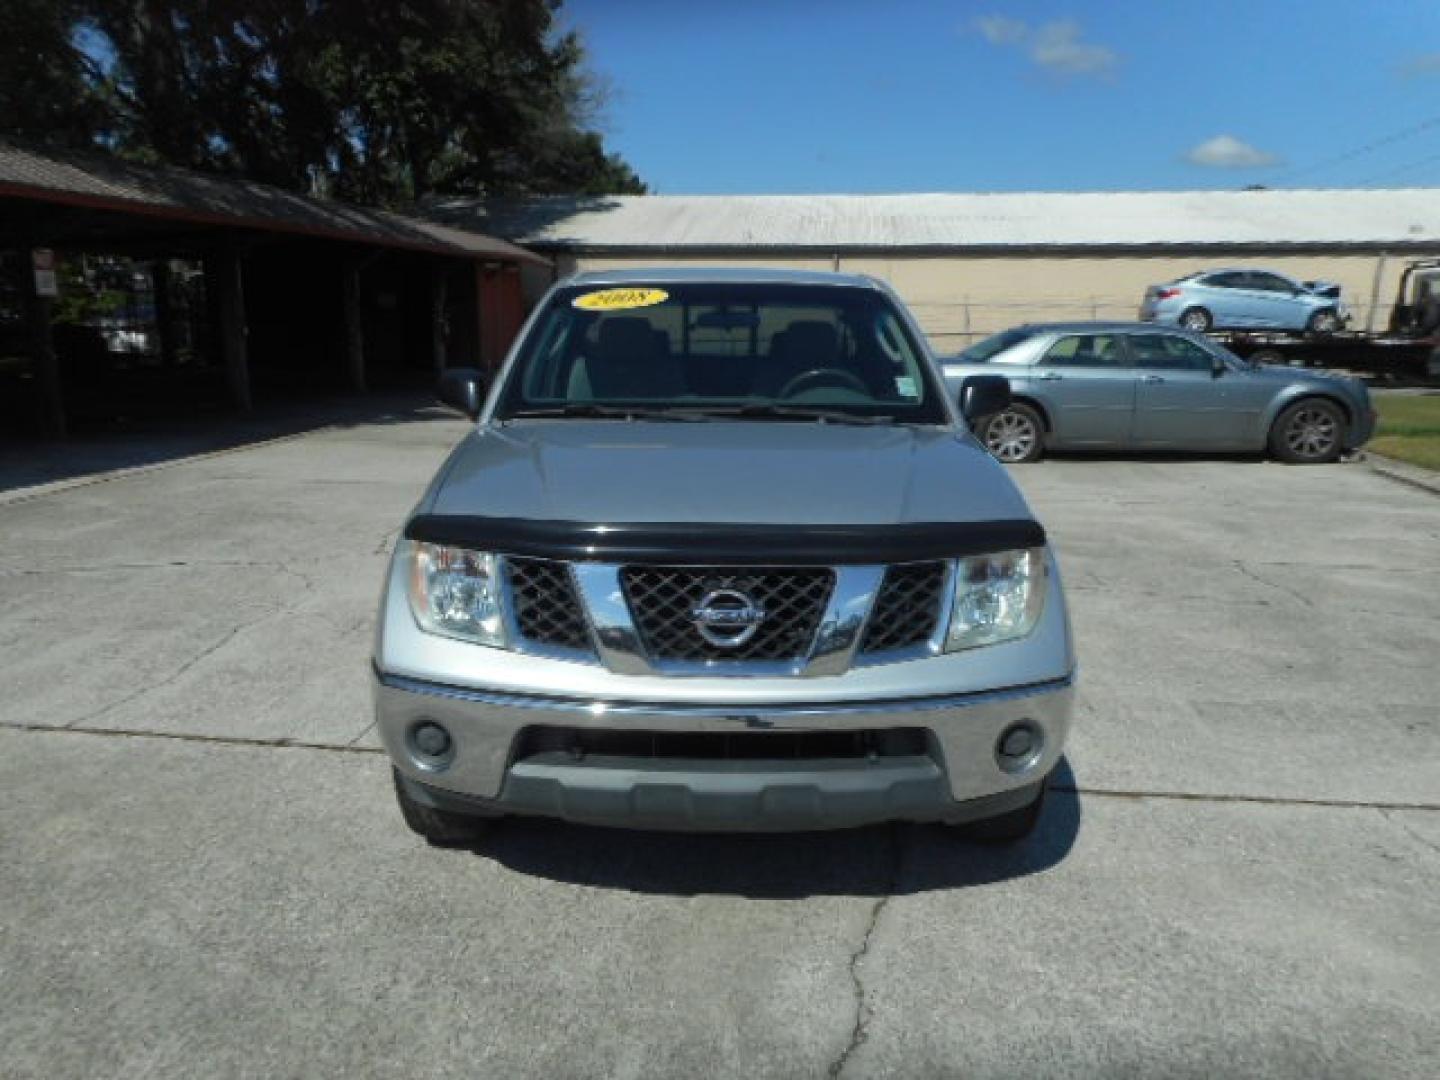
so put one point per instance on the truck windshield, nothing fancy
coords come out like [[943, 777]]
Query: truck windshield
[[753, 350]]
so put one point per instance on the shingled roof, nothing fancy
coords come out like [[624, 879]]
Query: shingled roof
[[102, 183]]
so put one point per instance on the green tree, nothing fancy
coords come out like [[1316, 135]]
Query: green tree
[[46, 80], [383, 103]]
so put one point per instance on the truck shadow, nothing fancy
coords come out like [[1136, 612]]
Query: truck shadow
[[880, 860]]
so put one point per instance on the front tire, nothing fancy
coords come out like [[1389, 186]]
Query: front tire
[[1011, 827], [1324, 321], [1309, 432], [439, 828], [1015, 435], [1196, 319]]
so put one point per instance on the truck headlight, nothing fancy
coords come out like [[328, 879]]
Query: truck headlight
[[455, 592], [997, 598]]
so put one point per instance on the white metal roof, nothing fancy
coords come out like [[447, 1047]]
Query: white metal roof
[[1187, 218]]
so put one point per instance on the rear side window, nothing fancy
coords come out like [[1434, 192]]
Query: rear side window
[[1085, 350], [1166, 352], [993, 346], [1224, 281]]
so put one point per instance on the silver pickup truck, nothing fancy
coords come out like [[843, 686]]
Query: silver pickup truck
[[721, 553]]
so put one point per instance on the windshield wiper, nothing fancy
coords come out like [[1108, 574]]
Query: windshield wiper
[[589, 409], [759, 411]]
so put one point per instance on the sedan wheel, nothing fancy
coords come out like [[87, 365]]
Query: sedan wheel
[[1308, 433], [1324, 322], [1015, 435], [1196, 319]]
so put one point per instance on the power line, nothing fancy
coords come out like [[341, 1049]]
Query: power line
[[1360, 151], [1402, 170]]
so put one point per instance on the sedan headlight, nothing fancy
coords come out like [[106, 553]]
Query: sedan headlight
[[997, 598], [456, 593]]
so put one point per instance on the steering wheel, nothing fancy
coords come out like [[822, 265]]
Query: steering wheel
[[809, 380]]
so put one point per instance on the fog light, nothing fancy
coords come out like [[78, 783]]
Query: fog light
[[1019, 746], [431, 745]]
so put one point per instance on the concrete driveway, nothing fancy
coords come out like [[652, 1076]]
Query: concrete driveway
[[202, 871]]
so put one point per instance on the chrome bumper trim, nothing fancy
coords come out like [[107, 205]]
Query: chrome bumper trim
[[501, 699]]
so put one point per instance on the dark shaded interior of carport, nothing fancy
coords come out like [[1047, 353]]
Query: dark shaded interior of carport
[[284, 310]]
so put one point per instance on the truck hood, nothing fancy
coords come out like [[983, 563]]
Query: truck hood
[[766, 472]]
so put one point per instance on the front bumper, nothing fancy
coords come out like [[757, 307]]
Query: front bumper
[[957, 777]]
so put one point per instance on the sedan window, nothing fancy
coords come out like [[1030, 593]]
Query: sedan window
[[1271, 283], [1227, 280], [1167, 352], [1085, 350]]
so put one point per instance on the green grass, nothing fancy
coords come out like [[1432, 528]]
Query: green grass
[[1409, 428]]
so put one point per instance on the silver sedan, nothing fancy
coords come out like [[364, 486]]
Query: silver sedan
[[1135, 386]]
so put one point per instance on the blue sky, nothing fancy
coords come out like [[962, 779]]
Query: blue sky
[[916, 95]]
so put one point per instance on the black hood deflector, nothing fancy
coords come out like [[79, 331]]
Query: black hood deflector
[[680, 543]]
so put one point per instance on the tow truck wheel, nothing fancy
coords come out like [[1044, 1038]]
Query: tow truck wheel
[[1324, 321], [1309, 432], [439, 828], [1196, 319]]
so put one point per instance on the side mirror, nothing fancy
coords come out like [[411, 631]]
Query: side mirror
[[1217, 368], [984, 395], [463, 389]]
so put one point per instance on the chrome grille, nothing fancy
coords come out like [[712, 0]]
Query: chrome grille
[[907, 608], [546, 606], [663, 598]]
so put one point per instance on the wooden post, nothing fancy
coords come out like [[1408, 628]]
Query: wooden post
[[230, 293], [47, 364], [439, 283], [1375, 283], [164, 311], [354, 328]]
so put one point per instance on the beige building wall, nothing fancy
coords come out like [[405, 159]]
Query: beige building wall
[[960, 298]]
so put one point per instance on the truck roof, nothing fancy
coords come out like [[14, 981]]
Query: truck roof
[[720, 275]]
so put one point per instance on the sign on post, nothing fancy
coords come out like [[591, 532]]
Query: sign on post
[[43, 261]]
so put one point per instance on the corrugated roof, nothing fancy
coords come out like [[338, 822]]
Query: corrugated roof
[[887, 222], [108, 184]]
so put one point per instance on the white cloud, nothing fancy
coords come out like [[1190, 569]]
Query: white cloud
[[1228, 152], [999, 30], [1055, 46], [1425, 64]]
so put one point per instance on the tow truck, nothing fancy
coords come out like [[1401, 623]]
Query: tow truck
[[1407, 351]]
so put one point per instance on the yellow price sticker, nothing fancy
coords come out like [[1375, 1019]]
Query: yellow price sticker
[[620, 299]]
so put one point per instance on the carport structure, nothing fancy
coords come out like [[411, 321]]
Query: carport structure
[[299, 292]]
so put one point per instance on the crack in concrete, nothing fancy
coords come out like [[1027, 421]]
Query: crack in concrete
[[363, 732], [1388, 814], [280, 743], [209, 650], [1257, 800], [350, 747], [860, 1029], [1253, 576], [105, 568]]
